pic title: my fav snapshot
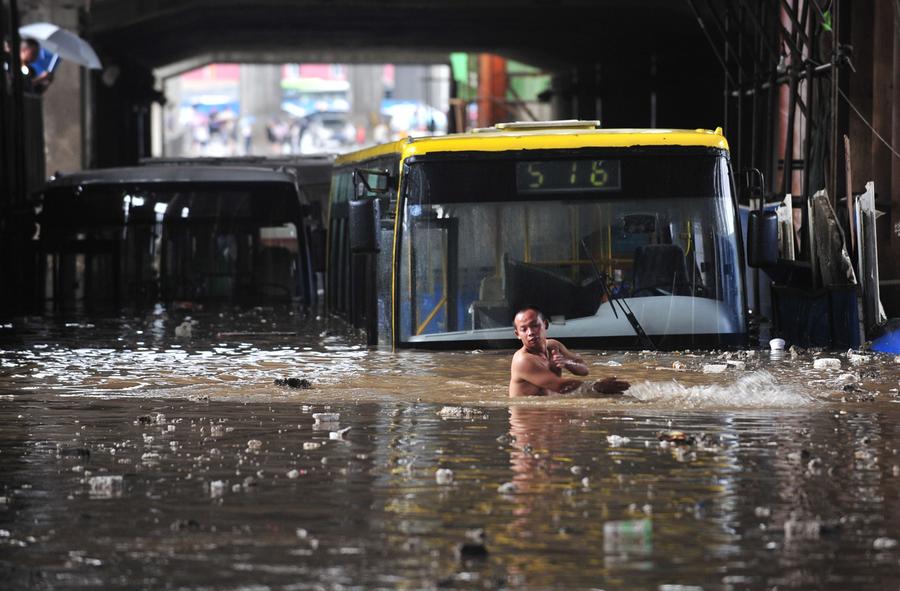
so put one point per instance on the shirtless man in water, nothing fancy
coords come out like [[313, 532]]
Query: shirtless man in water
[[537, 367]]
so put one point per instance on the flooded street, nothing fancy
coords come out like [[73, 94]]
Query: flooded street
[[132, 458]]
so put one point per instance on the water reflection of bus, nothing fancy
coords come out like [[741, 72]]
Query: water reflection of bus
[[199, 234], [437, 242]]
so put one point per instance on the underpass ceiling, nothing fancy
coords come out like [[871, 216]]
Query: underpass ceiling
[[547, 33]]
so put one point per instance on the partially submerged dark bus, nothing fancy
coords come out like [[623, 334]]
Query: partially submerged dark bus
[[200, 234], [623, 238]]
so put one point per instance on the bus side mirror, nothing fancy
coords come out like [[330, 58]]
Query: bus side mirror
[[369, 181], [762, 239], [363, 226], [752, 186]]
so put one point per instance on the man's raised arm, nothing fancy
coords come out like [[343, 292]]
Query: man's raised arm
[[562, 358], [532, 372]]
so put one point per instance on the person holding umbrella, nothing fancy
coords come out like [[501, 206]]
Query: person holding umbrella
[[35, 81], [61, 43]]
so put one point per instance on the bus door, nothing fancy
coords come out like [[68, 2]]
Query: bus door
[[433, 281]]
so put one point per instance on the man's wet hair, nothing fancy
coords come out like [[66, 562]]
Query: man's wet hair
[[540, 314]]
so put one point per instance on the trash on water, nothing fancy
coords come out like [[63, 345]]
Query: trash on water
[[884, 543], [105, 487], [507, 488], [714, 368], [216, 488], [633, 536], [676, 437], [184, 330], [471, 551], [617, 440], [827, 363], [311, 445], [293, 474], [254, 445], [298, 383], [339, 434], [151, 457], [460, 412], [776, 344], [443, 476], [796, 529], [326, 417], [857, 358]]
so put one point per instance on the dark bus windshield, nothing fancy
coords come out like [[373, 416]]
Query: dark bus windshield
[[483, 237]]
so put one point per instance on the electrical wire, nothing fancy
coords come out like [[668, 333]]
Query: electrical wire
[[866, 122]]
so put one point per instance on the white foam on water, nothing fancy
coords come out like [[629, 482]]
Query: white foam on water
[[758, 389]]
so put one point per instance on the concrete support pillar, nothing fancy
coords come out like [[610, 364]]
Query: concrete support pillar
[[883, 95], [63, 125], [366, 92], [260, 98], [492, 85]]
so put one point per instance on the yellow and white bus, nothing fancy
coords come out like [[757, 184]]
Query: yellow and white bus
[[437, 242]]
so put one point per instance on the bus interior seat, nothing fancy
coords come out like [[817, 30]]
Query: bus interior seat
[[491, 309], [659, 269], [553, 294]]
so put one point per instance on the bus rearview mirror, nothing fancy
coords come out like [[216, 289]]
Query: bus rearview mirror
[[762, 239], [371, 181], [363, 226]]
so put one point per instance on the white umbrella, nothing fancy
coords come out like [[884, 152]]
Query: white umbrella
[[63, 43]]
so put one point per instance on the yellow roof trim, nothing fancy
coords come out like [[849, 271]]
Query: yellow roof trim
[[373, 152], [542, 139]]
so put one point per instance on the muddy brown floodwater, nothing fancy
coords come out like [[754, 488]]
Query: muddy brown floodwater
[[132, 458]]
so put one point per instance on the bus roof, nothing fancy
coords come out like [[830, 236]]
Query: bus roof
[[535, 137], [171, 174]]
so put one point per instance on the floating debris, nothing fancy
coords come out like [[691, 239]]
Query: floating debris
[[293, 474], [184, 524], [827, 363], [857, 358], [884, 543], [297, 383], [326, 417], [311, 445], [254, 445], [471, 551], [184, 330], [443, 476], [105, 487], [796, 529], [617, 440], [339, 434], [216, 488], [460, 412], [714, 368], [74, 452], [507, 488], [676, 437], [151, 457]]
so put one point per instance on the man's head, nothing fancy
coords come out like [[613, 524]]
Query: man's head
[[28, 51], [531, 328]]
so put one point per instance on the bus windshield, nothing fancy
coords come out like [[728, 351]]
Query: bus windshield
[[483, 238]]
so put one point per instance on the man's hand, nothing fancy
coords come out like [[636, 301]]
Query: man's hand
[[558, 360], [610, 385]]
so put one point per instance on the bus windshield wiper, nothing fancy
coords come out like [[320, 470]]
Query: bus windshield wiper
[[643, 339]]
